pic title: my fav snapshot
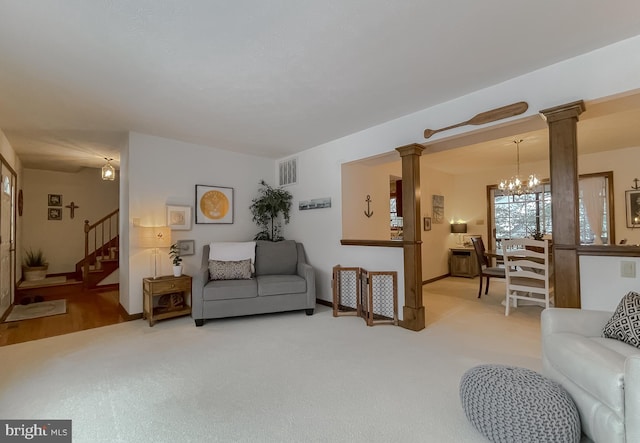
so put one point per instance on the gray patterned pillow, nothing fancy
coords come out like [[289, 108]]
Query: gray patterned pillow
[[624, 324], [230, 270]]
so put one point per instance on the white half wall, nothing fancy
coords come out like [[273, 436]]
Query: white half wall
[[601, 284], [164, 172]]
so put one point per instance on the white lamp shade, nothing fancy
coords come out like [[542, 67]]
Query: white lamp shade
[[154, 237]]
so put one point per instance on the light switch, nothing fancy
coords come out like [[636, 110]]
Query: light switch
[[628, 269]]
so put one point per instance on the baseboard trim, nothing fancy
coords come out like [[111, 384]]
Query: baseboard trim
[[324, 303], [431, 280]]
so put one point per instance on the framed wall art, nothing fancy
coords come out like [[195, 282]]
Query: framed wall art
[[438, 208], [55, 200], [179, 218], [54, 213], [632, 204], [214, 204], [187, 247], [427, 223]]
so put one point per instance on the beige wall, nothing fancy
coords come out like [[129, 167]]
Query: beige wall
[[63, 241], [465, 199], [358, 181]]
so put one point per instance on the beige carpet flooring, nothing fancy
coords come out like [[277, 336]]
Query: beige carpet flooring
[[272, 378]]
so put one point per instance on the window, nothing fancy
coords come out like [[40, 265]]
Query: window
[[517, 216]]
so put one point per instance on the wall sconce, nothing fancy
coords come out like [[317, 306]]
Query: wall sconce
[[108, 171], [154, 237], [458, 228]]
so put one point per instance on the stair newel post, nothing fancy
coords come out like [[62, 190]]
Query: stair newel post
[[85, 265]]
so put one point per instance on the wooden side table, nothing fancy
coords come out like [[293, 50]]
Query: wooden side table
[[463, 262], [174, 288]]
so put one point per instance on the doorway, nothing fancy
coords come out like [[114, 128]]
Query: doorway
[[7, 236]]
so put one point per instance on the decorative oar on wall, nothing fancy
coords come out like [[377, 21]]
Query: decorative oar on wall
[[486, 117]]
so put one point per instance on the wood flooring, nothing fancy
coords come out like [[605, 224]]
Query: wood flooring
[[85, 310]]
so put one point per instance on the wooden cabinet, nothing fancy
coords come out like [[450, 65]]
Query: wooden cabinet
[[463, 262], [166, 297]]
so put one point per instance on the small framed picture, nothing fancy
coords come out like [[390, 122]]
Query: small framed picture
[[187, 247], [214, 204], [427, 223], [179, 218], [54, 213], [632, 203], [55, 199]]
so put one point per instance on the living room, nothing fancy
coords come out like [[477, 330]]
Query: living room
[[160, 168]]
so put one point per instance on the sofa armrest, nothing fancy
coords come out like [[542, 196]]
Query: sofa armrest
[[197, 291], [632, 398], [306, 271], [578, 321]]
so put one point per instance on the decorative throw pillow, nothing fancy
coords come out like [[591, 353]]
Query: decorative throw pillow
[[624, 324], [230, 270]]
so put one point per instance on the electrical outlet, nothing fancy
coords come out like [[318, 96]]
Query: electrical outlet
[[136, 221], [628, 269]]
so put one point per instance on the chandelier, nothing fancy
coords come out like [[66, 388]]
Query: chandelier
[[108, 171], [515, 185]]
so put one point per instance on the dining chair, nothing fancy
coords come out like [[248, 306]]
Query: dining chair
[[527, 271], [484, 267]]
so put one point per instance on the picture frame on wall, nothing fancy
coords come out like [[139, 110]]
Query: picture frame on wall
[[214, 204], [54, 213], [426, 223], [179, 217], [438, 208], [186, 247], [55, 200], [632, 204]]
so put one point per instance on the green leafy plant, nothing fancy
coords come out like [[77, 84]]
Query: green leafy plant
[[536, 234], [269, 209], [34, 259], [174, 253]]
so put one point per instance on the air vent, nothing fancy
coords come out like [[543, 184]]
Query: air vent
[[288, 172]]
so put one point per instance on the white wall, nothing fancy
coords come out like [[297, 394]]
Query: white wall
[[62, 241], [598, 74], [601, 284], [164, 172]]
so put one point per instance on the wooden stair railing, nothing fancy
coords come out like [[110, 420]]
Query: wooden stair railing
[[99, 238]]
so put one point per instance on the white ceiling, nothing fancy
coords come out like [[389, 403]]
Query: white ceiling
[[264, 77]]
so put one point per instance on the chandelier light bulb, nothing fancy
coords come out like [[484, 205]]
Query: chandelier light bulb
[[515, 186]]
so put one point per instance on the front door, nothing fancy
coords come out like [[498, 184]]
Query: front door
[[7, 236]]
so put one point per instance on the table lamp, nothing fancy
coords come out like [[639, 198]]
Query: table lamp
[[155, 237]]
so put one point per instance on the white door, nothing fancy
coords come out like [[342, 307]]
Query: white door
[[7, 237]]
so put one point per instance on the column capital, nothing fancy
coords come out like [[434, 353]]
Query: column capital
[[412, 149], [562, 112]]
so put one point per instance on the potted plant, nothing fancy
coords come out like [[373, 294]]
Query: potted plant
[[34, 265], [269, 209], [174, 253]]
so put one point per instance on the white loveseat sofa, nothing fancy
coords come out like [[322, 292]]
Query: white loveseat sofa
[[602, 375]]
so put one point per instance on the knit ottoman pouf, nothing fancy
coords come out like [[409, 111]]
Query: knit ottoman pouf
[[508, 404]]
